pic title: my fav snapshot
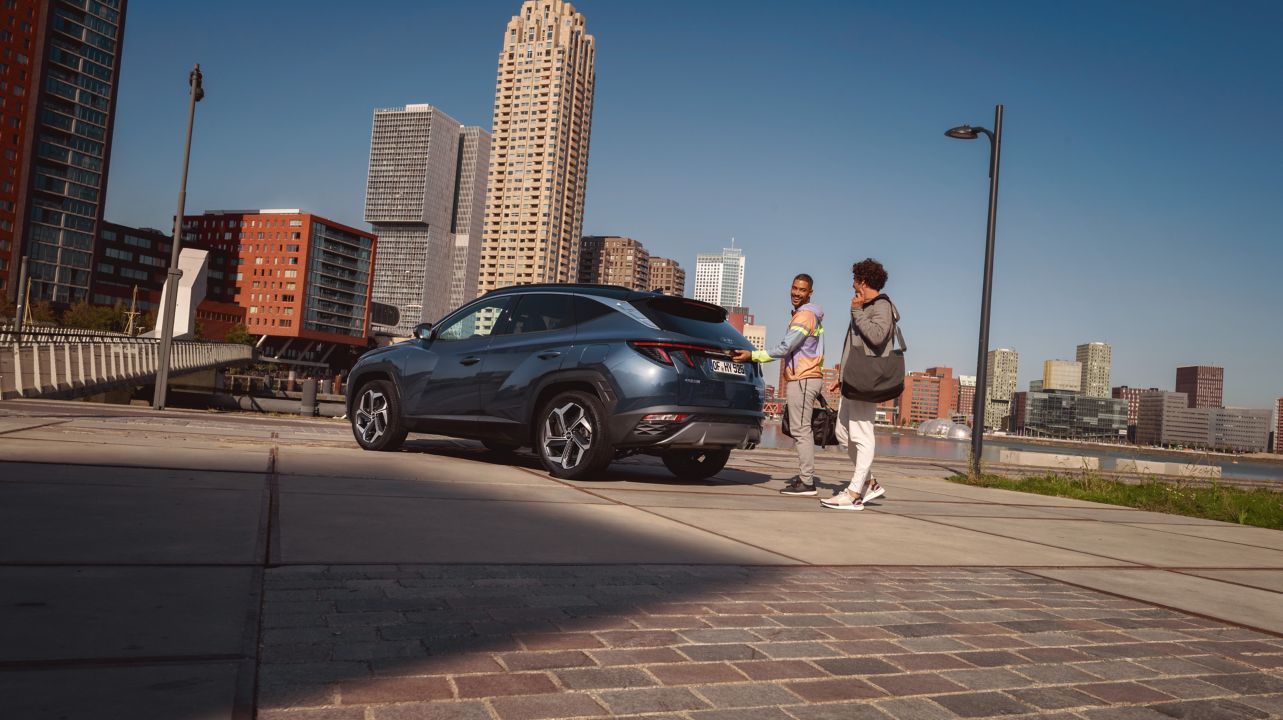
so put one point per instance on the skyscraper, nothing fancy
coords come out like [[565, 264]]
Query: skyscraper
[[719, 279], [966, 395], [539, 163], [1095, 358], [1061, 375], [62, 63], [469, 213], [1203, 384], [613, 260], [420, 196], [667, 276], [1002, 366]]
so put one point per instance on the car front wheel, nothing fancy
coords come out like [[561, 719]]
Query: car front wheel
[[376, 417], [696, 464], [572, 438]]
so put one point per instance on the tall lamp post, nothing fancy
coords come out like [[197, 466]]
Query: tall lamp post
[[967, 132], [171, 284]]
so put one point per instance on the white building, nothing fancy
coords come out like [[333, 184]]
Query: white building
[[755, 334], [719, 279], [1095, 358], [1061, 375], [1001, 369]]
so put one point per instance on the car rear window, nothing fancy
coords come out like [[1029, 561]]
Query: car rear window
[[691, 317]]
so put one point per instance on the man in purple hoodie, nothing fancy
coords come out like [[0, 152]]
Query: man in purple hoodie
[[802, 351]]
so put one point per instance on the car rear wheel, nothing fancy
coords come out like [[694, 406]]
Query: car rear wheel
[[572, 441], [376, 417], [696, 464]]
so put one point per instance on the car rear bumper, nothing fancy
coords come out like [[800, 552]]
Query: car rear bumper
[[703, 428]]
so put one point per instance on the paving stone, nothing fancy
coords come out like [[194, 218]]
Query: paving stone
[[317, 714], [840, 711], [293, 696], [779, 669], [793, 650], [453, 664], [718, 635], [1271, 704], [1123, 692], [1054, 698], [1247, 684], [915, 684], [546, 660], [720, 652], [856, 666], [986, 679], [836, 689], [651, 700], [542, 707], [914, 709], [605, 678], [1186, 688], [1223, 709], [639, 656], [760, 713], [1056, 674], [431, 711], [987, 704], [394, 689], [791, 634], [638, 638], [481, 686], [991, 658], [746, 695], [696, 673]]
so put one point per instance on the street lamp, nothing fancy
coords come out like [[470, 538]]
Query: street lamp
[[171, 285], [967, 132]]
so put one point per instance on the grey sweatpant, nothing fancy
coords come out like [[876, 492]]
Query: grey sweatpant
[[801, 396]]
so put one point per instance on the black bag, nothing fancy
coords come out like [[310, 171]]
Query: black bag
[[874, 378], [824, 422]]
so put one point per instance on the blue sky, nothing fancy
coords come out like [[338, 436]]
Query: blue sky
[[1141, 201]]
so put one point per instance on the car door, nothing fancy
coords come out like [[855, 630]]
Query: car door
[[540, 334], [441, 374]]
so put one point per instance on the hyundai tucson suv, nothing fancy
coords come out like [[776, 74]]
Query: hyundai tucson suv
[[583, 374]]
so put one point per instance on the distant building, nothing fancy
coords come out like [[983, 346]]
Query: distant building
[[60, 78], [1095, 359], [928, 395], [966, 395], [1278, 427], [1063, 375], [1204, 385], [1167, 419], [755, 334], [719, 278], [1035, 386], [1002, 367], [832, 375], [1066, 414], [614, 260], [304, 281], [1132, 396], [1019, 405], [739, 317], [667, 276]]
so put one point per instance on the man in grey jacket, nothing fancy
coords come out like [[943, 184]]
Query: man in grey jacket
[[873, 320]]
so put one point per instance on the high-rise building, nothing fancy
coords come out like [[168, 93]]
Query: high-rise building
[[61, 71], [1061, 375], [424, 181], [739, 317], [469, 213], [667, 277], [1278, 427], [1132, 396], [1095, 359], [1203, 384], [303, 280], [1002, 366], [928, 395], [614, 260], [756, 335], [719, 278], [539, 161], [966, 395], [1166, 418]]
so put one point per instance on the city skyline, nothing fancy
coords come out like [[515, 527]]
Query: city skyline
[[1092, 159]]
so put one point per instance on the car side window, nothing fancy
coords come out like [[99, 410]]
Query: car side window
[[587, 309], [480, 321], [539, 312]]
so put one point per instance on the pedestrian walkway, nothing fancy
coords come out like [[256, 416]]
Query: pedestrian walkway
[[188, 565]]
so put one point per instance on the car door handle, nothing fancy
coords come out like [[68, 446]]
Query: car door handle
[[548, 355], [470, 360]]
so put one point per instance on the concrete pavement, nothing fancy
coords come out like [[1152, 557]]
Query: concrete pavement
[[190, 565]]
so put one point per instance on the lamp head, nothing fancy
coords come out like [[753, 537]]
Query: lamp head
[[962, 132]]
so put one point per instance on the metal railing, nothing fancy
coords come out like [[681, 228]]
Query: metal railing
[[65, 362]]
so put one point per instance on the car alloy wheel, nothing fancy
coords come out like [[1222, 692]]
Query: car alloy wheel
[[372, 415], [567, 435]]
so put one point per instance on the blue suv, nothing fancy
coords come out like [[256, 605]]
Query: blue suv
[[583, 374]]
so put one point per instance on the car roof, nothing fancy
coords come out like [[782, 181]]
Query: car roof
[[617, 292]]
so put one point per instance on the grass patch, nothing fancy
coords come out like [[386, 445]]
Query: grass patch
[[1259, 507]]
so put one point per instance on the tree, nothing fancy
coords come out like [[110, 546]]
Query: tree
[[42, 312], [147, 322], [7, 308], [88, 317], [239, 334]]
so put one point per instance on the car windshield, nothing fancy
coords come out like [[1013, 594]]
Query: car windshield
[[691, 317]]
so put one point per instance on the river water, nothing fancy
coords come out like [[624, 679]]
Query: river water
[[909, 444]]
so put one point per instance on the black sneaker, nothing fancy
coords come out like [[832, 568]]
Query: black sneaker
[[797, 487]]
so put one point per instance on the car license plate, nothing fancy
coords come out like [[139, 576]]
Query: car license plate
[[729, 368]]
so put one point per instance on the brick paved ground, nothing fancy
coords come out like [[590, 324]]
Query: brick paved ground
[[710, 642]]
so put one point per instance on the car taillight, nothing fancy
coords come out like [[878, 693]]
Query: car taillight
[[669, 353]]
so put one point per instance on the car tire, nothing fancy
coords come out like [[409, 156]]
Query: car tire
[[696, 464], [376, 417], [571, 436], [500, 448]]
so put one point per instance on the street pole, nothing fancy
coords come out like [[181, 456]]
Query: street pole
[[175, 274], [982, 379], [22, 300]]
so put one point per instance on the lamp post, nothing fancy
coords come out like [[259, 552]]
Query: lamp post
[[967, 132], [171, 284]]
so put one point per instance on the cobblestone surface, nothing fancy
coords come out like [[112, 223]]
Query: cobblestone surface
[[529, 642]]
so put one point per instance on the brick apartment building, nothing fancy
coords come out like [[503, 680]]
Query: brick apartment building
[[928, 395], [1204, 385]]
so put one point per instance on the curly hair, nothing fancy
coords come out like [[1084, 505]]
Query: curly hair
[[870, 272]]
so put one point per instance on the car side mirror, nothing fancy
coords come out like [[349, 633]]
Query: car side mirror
[[423, 331]]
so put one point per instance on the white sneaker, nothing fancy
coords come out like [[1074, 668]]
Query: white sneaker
[[843, 501], [873, 491]]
